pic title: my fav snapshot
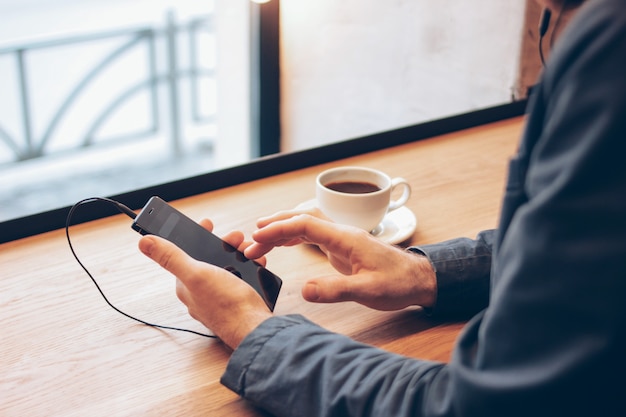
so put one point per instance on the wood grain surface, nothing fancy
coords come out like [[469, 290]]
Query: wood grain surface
[[64, 352]]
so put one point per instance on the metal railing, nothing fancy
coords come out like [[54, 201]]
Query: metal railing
[[30, 146]]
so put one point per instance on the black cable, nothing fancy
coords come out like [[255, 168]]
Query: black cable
[[123, 209], [544, 24], [557, 24]]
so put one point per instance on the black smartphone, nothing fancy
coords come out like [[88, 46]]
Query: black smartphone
[[160, 219]]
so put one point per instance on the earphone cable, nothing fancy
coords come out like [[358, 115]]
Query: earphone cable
[[557, 24], [123, 209], [544, 24]]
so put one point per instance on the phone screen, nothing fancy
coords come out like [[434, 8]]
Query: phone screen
[[159, 218]]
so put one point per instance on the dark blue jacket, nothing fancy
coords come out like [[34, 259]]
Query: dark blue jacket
[[550, 282]]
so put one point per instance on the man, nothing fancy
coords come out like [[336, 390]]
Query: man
[[548, 286]]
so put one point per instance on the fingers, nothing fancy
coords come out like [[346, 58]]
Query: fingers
[[234, 238], [329, 289], [286, 214], [168, 255], [207, 224], [258, 248], [298, 229], [365, 289]]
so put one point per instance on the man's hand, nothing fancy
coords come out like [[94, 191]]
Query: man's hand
[[215, 297], [371, 272]]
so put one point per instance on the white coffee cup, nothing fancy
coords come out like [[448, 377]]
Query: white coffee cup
[[358, 196]]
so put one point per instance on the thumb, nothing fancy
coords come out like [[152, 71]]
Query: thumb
[[328, 289], [166, 254]]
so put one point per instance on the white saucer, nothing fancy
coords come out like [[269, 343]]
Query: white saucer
[[396, 227]]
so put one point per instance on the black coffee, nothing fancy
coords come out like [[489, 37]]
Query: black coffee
[[353, 187]]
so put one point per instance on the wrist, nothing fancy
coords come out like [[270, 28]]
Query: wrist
[[425, 276], [243, 327]]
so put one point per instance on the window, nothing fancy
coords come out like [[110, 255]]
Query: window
[[355, 76], [352, 68], [105, 97]]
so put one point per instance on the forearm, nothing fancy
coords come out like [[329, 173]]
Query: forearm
[[291, 367]]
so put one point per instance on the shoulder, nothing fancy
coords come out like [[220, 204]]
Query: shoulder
[[596, 35], [585, 71], [577, 114]]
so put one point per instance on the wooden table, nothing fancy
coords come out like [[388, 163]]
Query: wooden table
[[64, 352]]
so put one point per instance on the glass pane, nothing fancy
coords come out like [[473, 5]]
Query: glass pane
[[105, 97], [352, 68]]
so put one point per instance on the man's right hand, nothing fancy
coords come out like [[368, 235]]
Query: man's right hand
[[371, 272]]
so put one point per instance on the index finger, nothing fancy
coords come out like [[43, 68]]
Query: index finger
[[287, 214], [304, 227]]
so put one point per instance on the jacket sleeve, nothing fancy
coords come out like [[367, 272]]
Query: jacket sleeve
[[292, 367], [463, 269]]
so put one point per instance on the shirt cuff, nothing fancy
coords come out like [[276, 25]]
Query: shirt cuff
[[242, 360], [462, 267]]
